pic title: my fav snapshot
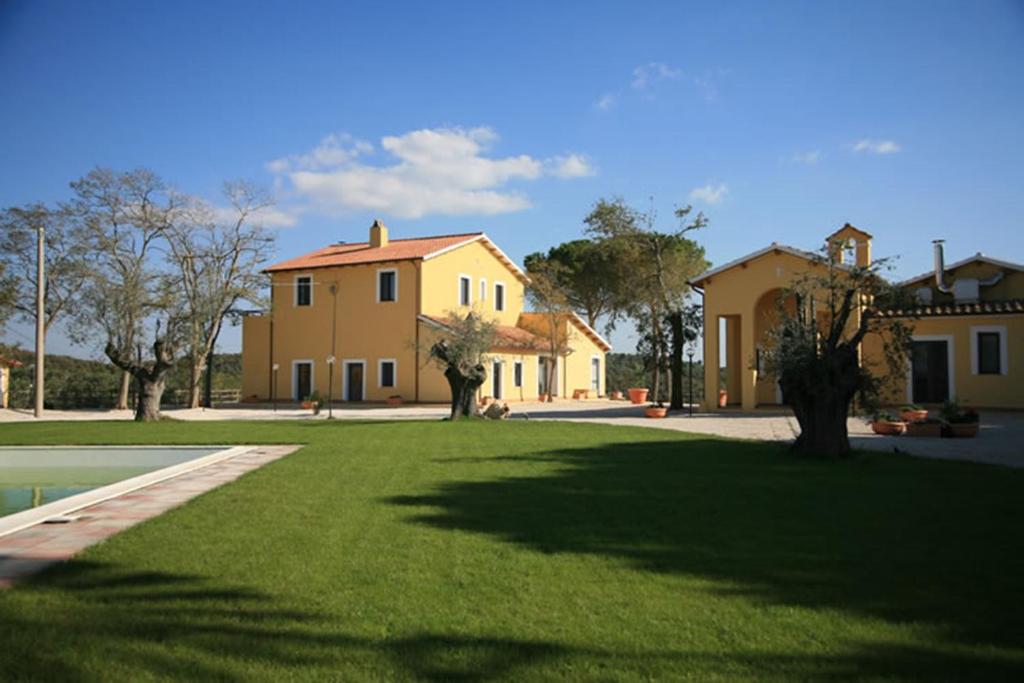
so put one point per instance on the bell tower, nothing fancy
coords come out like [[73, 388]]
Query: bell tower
[[851, 246]]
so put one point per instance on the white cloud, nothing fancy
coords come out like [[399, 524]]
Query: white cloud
[[607, 101], [712, 194], [433, 171], [571, 166], [810, 158], [651, 73], [876, 146]]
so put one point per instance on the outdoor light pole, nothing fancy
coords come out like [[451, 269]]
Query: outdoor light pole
[[273, 385], [689, 352], [330, 387], [40, 319]]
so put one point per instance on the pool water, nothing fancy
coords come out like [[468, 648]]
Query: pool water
[[30, 477]]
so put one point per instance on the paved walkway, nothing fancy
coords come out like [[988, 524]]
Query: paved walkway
[[30, 550], [1001, 440]]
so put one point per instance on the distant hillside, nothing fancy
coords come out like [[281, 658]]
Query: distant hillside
[[79, 383]]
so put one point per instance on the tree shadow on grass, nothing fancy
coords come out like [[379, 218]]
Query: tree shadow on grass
[[88, 621], [883, 536]]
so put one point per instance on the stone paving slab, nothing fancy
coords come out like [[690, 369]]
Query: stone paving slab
[[35, 548]]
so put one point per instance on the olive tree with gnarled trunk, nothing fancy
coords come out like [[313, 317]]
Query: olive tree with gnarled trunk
[[461, 354]]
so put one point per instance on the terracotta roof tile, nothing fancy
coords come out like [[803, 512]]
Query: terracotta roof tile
[[1010, 306], [505, 336], [362, 252]]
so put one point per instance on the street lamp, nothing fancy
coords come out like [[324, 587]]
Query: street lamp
[[689, 353], [273, 385], [330, 387]]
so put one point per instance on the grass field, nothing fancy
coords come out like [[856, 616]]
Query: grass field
[[536, 551]]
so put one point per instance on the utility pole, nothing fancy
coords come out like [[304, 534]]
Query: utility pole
[[40, 317]]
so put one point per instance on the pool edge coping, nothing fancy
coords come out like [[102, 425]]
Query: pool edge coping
[[26, 518]]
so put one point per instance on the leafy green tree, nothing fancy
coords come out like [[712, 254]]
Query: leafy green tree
[[651, 280], [547, 297], [586, 273], [814, 348]]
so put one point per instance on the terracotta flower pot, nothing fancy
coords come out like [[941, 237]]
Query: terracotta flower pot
[[307, 405], [543, 398], [963, 429], [888, 428], [615, 396], [655, 412], [723, 398], [394, 400], [913, 415], [638, 395]]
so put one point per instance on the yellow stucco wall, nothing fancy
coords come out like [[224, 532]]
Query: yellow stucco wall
[[441, 284], [369, 331], [1010, 287], [5, 385], [1004, 390]]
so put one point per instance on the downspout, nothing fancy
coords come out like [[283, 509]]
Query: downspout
[[940, 269]]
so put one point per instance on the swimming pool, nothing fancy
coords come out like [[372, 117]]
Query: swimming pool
[[38, 477]]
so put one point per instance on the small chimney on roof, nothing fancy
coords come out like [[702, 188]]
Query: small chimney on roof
[[378, 234]]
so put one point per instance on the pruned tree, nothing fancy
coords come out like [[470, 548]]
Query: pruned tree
[[652, 279], [548, 298], [8, 295], [814, 347], [66, 261], [461, 352], [218, 255], [150, 377], [124, 216], [585, 272]]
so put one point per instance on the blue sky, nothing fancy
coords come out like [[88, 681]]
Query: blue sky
[[781, 121]]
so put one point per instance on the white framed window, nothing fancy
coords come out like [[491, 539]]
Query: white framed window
[[465, 290], [989, 352], [483, 289], [517, 374], [387, 373], [499, 296], [595, 374], [303, 287], [387, 284]]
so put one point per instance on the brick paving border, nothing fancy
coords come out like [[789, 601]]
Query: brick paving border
[[30, 550]]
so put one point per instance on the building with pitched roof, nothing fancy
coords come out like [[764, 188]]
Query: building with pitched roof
[[968, 326], [375, 307]]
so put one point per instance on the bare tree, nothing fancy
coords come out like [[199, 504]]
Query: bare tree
[[547, 296], [124, 216], [218, 255], [151, 377], [66, 260], [461, 354]]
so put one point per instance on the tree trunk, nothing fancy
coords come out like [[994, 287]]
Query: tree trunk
[[823, 431], [195, 379], [122, 394], [678, 342], [150, 394], [464, 388]]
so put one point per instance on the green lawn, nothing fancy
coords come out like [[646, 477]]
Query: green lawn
[[534, 550]]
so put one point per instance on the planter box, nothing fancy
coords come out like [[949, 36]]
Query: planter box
[[637, 395], [924, 429], [655, 412], [963, 430], [913, 415], [887, 428]]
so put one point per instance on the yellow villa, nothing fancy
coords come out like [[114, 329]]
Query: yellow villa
[[374, 308], [968, 326]]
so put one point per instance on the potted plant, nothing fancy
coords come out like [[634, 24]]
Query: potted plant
[[615, 395], [543, 398], [655, 410], [394, 400], [912, 412], [930, 426], [960, 422], [885, 424], [638, 395], [312, 401]]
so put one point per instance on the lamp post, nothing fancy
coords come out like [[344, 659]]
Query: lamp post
[[273, 385], [330, 387], [40, 319], [689, 353]]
